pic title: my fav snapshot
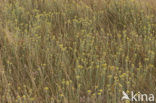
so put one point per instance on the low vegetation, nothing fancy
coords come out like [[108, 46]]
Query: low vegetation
[[76, 51]]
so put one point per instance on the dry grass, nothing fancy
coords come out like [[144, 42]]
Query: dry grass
[[76, 51]]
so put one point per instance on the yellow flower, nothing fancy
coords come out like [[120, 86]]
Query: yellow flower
[[19, 88], [109, 76], [96, 87], [24, 86], [67, 83], [89, 91], [9, 84], [99, 93], [127, 101], [77, 77], [112, 67], [61, 45], [18, 96], [70, 81], [32, 99], [44, 64], [132, 0], [24, 96], [151, 65], [46, 88], [100, 90], [80, 66], [93, 94], [63, 81], [97, 66], [61, 95], [146, 59]]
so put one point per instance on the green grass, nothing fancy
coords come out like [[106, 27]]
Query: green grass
[[67, 51]]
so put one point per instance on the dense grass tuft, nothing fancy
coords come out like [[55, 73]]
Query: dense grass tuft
[[76, 51]]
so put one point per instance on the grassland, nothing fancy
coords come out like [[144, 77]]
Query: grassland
[[76, 51]]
